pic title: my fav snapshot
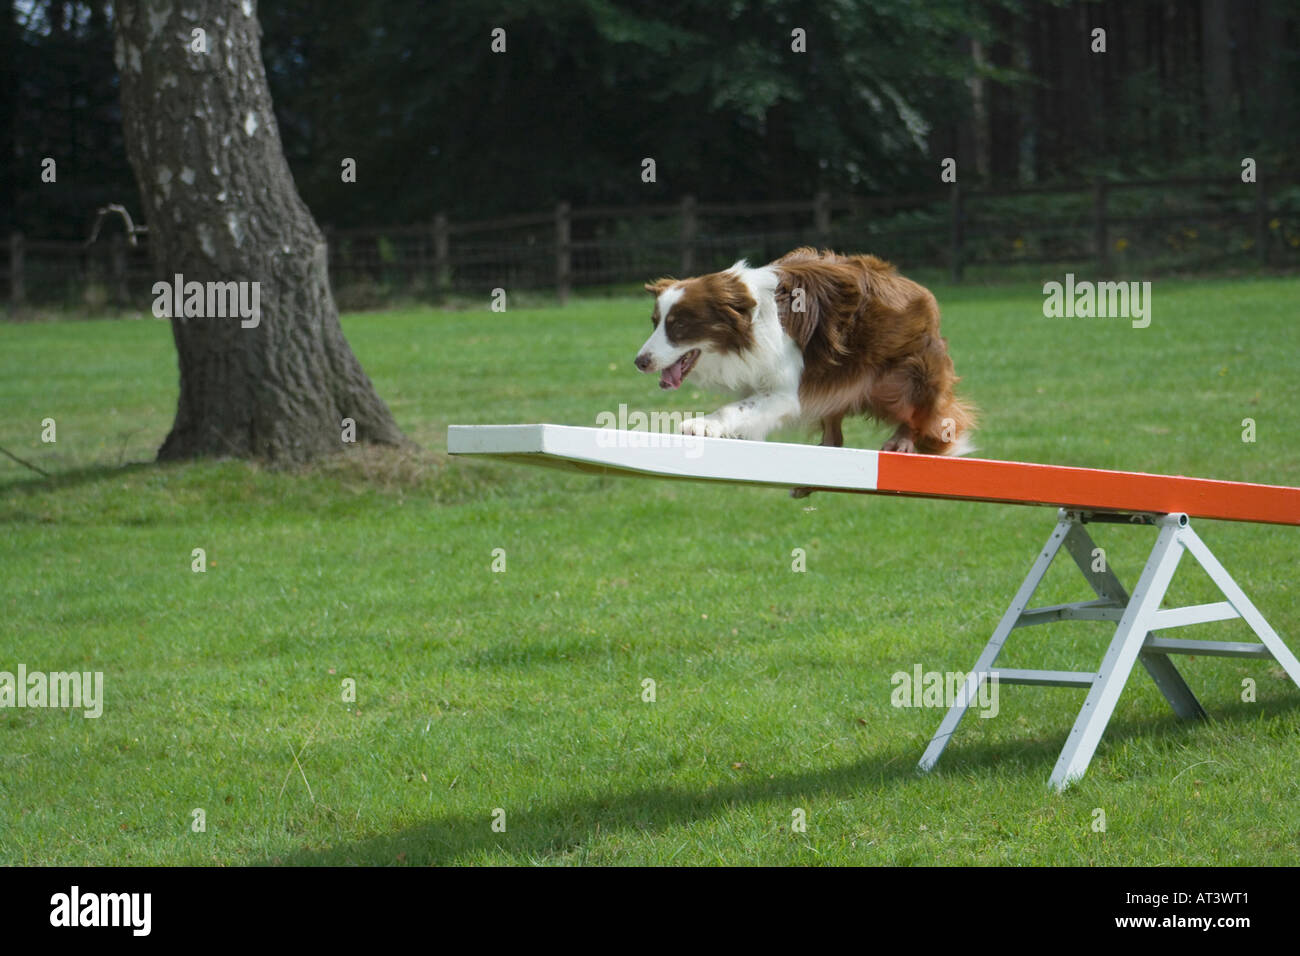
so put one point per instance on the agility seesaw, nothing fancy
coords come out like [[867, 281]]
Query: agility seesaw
[[1082, 495]]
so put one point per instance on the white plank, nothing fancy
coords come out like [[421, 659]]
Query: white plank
[[678, 456]]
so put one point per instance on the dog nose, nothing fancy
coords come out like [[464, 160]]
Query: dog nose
[[643, 362]]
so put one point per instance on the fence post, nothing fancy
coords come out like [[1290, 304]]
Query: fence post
[[954, 249], [441, 250], [690, 227], [1099, 238], [17, 287], [563, 253], [117, 267], [1261, 222], [822, 218]]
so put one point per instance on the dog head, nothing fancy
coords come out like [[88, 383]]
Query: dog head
[[694, 320]]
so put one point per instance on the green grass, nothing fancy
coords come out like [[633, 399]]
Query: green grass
[[522, 691]]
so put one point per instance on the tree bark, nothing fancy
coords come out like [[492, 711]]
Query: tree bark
[[222, 206]]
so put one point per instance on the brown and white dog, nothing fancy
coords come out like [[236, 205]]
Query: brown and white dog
[[810, 338]]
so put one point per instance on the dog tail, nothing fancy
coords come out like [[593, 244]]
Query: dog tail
[[947, 431]]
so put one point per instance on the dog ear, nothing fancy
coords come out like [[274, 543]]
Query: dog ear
[[737, 309], [658, 286], [731, 299]]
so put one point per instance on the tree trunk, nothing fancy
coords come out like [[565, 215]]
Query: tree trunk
[[1216, 71], [978, 85], [10, 70], [222, 207]]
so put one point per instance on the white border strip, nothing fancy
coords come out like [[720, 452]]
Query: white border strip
[[677, 456]]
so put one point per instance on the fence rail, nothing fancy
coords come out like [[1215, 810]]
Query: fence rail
[[1173, 222]]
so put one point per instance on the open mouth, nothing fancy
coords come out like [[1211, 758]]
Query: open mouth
[[672, 376]]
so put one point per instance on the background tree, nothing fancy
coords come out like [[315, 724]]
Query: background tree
[[221, 205], [439, 123], [59, 98]]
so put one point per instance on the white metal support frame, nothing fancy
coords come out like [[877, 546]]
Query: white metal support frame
[[1083, 495], [1139, 617]]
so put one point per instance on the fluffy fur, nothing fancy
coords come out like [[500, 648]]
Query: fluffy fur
[[811, 338]]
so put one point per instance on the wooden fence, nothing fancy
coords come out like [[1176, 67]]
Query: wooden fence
[[1190, 223]]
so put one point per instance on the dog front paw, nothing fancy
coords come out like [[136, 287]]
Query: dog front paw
[[704, 427]]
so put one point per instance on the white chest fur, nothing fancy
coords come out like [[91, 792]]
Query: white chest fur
[[773, 364], [765, 376]]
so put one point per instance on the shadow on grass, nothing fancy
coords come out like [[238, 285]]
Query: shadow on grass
[[557, 828], [372, 467], [33, 484]]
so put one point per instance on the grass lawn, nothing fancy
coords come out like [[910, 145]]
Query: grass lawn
[[522, 690]]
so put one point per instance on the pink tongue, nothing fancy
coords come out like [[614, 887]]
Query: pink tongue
[[672, 375]]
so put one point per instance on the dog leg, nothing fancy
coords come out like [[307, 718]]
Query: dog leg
[[750, 418], [831, 433], [832, 437]]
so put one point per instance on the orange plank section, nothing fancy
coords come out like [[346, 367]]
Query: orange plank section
[[1085, 488]]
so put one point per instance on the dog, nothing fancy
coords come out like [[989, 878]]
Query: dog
[[808, 339]]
